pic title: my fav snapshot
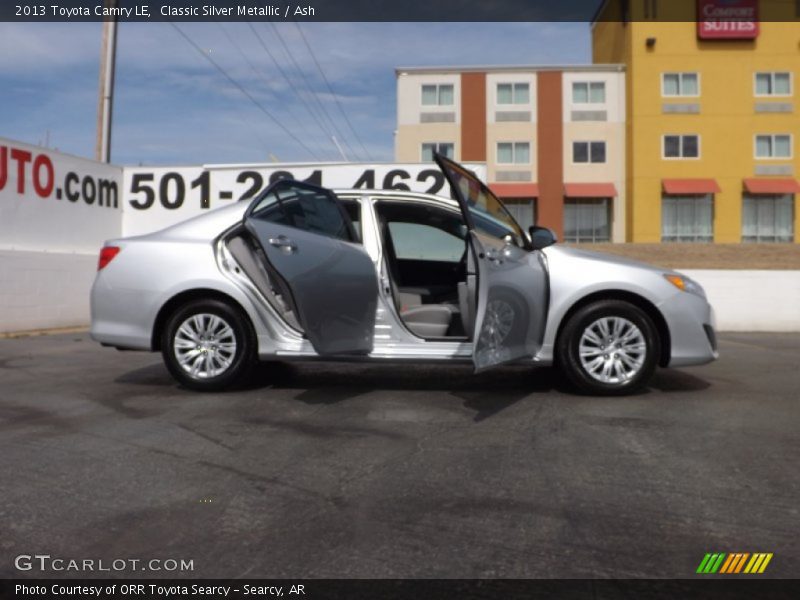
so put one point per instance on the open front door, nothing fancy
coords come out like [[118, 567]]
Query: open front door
[[310, 244], [512, 278]]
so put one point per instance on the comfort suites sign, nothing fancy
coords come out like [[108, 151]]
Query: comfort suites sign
[[727, 19]]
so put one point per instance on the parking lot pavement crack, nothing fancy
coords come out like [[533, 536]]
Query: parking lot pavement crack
[[206, 437], [332, 500]]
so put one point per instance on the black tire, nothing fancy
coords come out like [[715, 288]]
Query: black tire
[[568, 349], [238, 365]]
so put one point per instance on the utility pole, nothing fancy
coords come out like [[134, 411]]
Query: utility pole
[[108, 58]]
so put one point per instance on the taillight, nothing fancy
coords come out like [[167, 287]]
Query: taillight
[[107, 254]]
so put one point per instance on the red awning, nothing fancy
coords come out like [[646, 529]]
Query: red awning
[[515, 190], [691, 186], [590, 190], [771, 186]]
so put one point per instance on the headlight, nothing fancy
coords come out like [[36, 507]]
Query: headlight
[[685, 284]]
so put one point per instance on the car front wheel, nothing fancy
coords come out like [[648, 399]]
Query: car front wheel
[[608, 348], [208, 345]]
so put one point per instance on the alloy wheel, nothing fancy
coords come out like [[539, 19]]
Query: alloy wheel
[[612, 350], [204, 345]]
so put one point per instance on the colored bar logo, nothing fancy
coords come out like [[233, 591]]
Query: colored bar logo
[[734, 563]]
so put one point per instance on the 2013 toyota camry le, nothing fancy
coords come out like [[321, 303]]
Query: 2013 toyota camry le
[[306, 273]]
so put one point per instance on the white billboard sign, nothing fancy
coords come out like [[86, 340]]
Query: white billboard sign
[[56, 202], [156, 197]]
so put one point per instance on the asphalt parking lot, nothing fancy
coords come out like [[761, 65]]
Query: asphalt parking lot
[[340, 470]]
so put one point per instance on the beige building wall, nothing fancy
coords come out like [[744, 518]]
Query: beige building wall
[[611, 130], [409, 139], [521, 129], [418, 124]]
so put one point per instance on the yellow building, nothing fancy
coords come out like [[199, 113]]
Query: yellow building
[[712, 117]]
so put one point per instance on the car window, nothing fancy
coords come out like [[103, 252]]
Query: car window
[[489, 226], [416, 241], [487, 212], [304, 207], [353, 210]]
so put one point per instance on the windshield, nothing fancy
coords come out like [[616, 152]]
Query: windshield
[[487, 213]]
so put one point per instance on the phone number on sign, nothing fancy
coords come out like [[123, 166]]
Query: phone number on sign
[[170, 189]]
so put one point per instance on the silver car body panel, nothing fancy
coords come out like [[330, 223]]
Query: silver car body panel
[[151, 270]]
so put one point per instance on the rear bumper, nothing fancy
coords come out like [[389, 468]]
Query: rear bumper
[[118, 317]]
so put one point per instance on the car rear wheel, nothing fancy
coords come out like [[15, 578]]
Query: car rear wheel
[[208, 345], [608, 348]]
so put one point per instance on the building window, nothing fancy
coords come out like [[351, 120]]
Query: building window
[[680, 84], [773, 146], [681, 146], [437, 94], [513, 93], [687, 218], [523, 210], [589, 92], [513, 153], [774, 84], [588, 152], [587, 220], [768, 218], [443, 148]]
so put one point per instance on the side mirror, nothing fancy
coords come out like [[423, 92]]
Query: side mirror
[[542, 237]]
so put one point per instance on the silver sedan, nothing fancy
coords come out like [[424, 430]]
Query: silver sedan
[[304, 273]]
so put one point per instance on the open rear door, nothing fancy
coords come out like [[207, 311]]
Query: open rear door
[[310, 244], [512, 278]]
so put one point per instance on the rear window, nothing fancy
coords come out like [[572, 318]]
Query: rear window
[[417, 241]]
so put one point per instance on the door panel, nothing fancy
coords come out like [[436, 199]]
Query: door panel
[[333, 283], [512, 301], [513, 290]]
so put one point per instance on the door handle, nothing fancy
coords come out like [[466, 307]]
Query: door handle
[[493, 256], [283, 242]]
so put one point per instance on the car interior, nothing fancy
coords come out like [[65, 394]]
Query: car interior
[[428, 264]]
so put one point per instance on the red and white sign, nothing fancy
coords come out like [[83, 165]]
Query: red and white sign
[[727, 19], [50, 201]]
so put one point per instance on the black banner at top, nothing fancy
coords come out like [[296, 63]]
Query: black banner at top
[[396, 10]]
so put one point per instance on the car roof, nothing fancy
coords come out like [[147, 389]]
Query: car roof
[[395, 195]]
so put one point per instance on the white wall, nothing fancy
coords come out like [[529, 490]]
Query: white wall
[[55, 212], [50, 201], [752, 300], [42, 290]]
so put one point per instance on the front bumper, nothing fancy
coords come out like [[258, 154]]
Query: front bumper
[[692, 329]]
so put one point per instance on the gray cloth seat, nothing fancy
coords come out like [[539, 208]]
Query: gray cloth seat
[[466, 301], [424, 320], [428, 320]]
